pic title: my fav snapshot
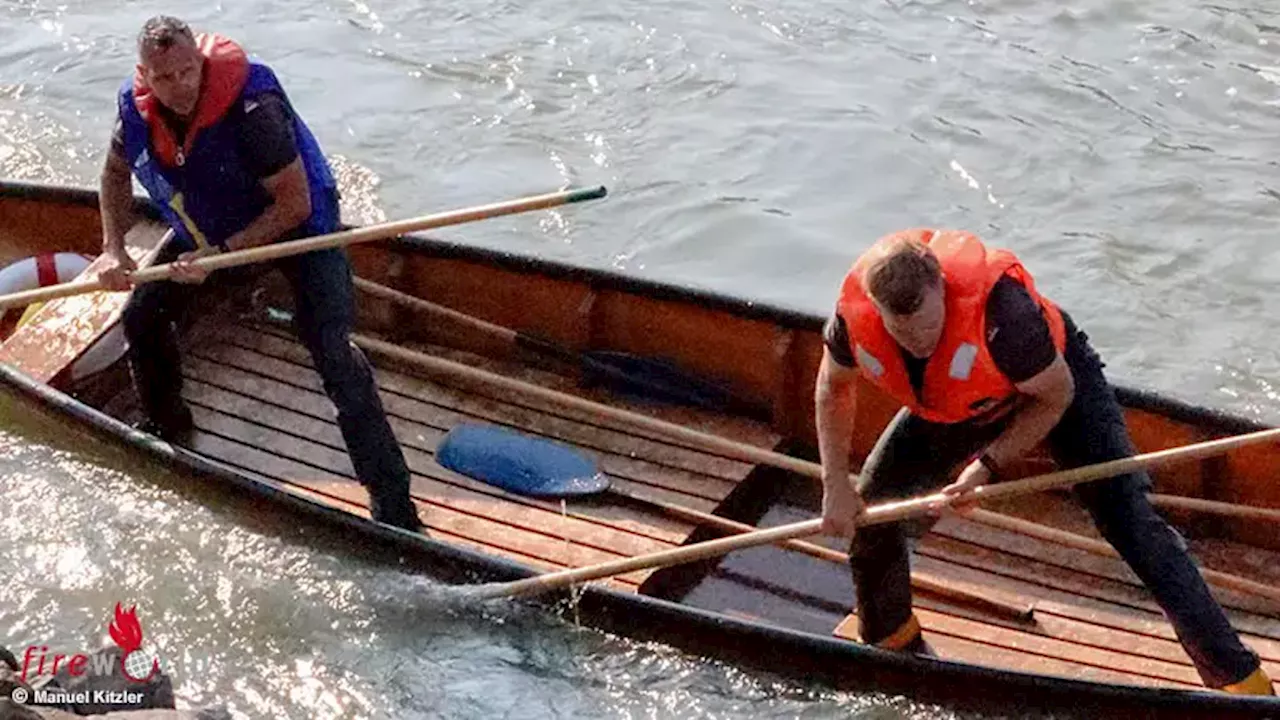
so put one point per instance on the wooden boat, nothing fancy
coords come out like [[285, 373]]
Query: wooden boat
[[1097, 646]]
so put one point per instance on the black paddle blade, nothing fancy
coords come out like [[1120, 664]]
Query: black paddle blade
[[646, 379], [657, 380]]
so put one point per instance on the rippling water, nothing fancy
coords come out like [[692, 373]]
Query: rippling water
[[1123, 148]]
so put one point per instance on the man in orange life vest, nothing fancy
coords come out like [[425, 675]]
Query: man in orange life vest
[[985, 366], [211, 135]]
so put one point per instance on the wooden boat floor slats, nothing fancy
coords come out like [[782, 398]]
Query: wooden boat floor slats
[[260, 407], [338, 493], [1011, 652], [1108, 572], [1074, 633]]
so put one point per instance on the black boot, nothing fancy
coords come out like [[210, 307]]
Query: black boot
[[393, 506], [172, 424], [920, 646]]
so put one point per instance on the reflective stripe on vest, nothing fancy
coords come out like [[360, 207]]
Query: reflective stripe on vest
[[962, 362]]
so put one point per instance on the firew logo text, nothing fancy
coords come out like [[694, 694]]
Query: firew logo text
[[125, 630]]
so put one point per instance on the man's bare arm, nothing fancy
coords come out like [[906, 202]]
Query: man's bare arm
[[116, 203], [1046, 397], [835, 400], [290, 207]]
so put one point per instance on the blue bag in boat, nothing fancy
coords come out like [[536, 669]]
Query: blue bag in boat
[[519, 463]]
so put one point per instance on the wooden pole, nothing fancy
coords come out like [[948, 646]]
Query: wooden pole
[[1098, 547], [883, 513], [742, 451], [730, 448], [344, 238], [926, 582], [989, 601], [1040, 483], [657, 428], [1248, 512]]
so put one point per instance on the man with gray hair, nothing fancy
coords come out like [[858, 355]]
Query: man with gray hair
[[211, 135]]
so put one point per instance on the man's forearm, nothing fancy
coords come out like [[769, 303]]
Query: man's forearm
[[271, 225], [115, 201], [289, 208], [1031, 424], [835, 405]]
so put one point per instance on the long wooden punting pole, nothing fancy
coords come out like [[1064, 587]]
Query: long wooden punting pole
[[275, 251], [884, 513], [743, 451], [1248, 512], [987, 601], [740, 451], [731, 448]]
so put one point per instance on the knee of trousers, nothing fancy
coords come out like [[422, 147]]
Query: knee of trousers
[[338, 359], [139, 322], [877, 541]]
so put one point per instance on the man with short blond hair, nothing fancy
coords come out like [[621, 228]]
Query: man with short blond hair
[[985, 368], [900, 275]]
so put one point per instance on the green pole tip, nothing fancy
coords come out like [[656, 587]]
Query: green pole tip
[[594, 193]]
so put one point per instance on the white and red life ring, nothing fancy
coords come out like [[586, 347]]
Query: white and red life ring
[[50, 269]]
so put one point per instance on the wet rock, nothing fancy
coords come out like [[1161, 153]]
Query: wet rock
[[10, 680], [10, 710]]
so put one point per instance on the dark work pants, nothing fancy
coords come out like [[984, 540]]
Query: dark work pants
[[324, 318], [915, 456]]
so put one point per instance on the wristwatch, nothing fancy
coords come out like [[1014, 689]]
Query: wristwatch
[[990, 464]]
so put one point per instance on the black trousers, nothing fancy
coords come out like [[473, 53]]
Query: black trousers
[[324, 318], [915, 456]]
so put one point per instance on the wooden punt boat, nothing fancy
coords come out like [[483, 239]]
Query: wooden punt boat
[[1097, 646]]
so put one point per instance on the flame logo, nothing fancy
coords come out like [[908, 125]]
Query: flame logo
[[127, 632]]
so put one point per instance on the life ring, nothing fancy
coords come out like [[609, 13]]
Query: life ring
[[50, 269]]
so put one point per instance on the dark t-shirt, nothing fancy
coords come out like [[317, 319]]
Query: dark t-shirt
[[264, 131], [1018, 336]]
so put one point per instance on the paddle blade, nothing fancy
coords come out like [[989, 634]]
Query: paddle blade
[[657, 380], [519, 463]]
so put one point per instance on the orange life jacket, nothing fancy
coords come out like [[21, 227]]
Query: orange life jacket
[[961, 381]]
